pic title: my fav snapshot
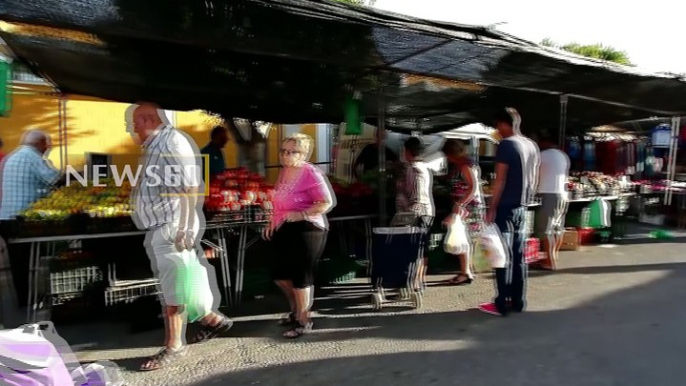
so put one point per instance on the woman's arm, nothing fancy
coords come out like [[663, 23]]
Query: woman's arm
[[321, 193], [471, 179]]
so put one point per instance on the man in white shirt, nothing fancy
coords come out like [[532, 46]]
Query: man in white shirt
[[552, 186], [166, 204]]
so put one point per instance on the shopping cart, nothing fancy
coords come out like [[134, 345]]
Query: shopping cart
[[397, 252]]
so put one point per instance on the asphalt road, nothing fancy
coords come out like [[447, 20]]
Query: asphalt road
[[611, 316]]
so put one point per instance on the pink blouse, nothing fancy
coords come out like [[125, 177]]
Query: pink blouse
[[300, 194]]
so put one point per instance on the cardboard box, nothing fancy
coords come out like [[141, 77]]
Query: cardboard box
[[570, 240]]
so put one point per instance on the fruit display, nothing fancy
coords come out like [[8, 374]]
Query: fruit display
[[95, 201], [591, 184], [234, 192]]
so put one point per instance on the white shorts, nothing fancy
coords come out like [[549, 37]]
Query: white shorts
[[167, 261]]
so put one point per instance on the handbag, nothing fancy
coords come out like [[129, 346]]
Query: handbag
[[457, 238]]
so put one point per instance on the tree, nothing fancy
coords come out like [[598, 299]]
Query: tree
[[596, 51], [358, 2]]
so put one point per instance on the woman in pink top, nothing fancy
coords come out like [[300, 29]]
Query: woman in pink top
[[298, 229]]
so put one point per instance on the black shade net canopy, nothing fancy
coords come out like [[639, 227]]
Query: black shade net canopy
[[297, 61]]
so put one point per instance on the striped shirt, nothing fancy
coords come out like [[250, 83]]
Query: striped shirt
[[415, 190], [171, 165], [26, 178]]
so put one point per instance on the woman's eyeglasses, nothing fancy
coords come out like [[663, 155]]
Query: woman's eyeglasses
[[289, 152]]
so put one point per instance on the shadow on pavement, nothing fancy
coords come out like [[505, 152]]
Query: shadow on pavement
[[631, 338]]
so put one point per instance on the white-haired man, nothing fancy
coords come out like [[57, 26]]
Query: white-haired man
[[27, 175], [166, 204]]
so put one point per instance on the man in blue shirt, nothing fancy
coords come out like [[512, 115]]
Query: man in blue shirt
[[515, 164], [27, 175], [219, 137]]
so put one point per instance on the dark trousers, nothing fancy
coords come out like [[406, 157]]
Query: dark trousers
[[511, 280]]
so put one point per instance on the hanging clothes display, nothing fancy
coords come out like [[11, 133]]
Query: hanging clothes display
[[573, 150], [589, 155]]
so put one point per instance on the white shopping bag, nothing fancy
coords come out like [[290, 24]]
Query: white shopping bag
[[494, 246], [457, 238]]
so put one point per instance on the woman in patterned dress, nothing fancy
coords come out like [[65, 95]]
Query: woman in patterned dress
[[468, 202]]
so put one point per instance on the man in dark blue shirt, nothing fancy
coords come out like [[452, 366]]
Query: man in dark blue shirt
[[515, 162], [219, 137]]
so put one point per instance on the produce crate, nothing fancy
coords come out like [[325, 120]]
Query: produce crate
[[337, 270], [587, 236], [37, 228], [130, 292], [109, 225], [241, 216], [73, 279], [259, 215], [531, 250]]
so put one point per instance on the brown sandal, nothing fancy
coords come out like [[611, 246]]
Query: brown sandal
[[163, 358]]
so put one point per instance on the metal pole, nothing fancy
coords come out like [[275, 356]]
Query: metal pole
[[63, 103], [59, 130], [669, 166], [564, 99], [381, 138], [674, 151]]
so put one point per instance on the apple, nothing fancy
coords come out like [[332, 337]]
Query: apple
[[249, 195], [262, 196]]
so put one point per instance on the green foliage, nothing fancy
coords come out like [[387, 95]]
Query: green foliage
[[596, 51], [358, 2]]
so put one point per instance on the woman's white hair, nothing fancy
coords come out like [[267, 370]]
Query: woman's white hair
[[303, 143], [33, 137]]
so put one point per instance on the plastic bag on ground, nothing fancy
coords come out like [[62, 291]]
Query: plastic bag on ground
[[494, 246], [457, 238]]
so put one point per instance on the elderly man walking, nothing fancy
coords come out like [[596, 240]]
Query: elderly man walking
[[166, 204]]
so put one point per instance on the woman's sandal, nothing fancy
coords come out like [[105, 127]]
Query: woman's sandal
[[163, 358], [298, 331], [288, 320], [210, 332], [460, 280]]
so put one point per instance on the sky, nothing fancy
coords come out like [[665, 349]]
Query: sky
[[651, 32]]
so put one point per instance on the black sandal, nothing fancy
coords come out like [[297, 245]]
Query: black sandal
[[288, 320], [298, 331], [163, 358], [460, 280], [210, 332]]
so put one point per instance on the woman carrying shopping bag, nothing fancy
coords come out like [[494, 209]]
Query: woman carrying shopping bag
[[468, 203], [298, 229]]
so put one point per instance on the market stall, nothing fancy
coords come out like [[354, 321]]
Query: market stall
[[411, 75]]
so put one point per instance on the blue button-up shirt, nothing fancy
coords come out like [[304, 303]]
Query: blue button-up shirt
[[26, 178]]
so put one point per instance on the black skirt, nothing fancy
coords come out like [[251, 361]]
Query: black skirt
[[298, 246]]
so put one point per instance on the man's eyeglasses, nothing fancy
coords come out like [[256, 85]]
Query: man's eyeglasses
[[289, 152]]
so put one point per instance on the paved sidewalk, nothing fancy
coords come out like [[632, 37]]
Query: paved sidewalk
[[611, 316]]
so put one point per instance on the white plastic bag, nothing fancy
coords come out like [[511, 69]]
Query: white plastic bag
[[457, 239], [28, 357], [493, 246]]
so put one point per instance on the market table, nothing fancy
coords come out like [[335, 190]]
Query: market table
[[37, 270]]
